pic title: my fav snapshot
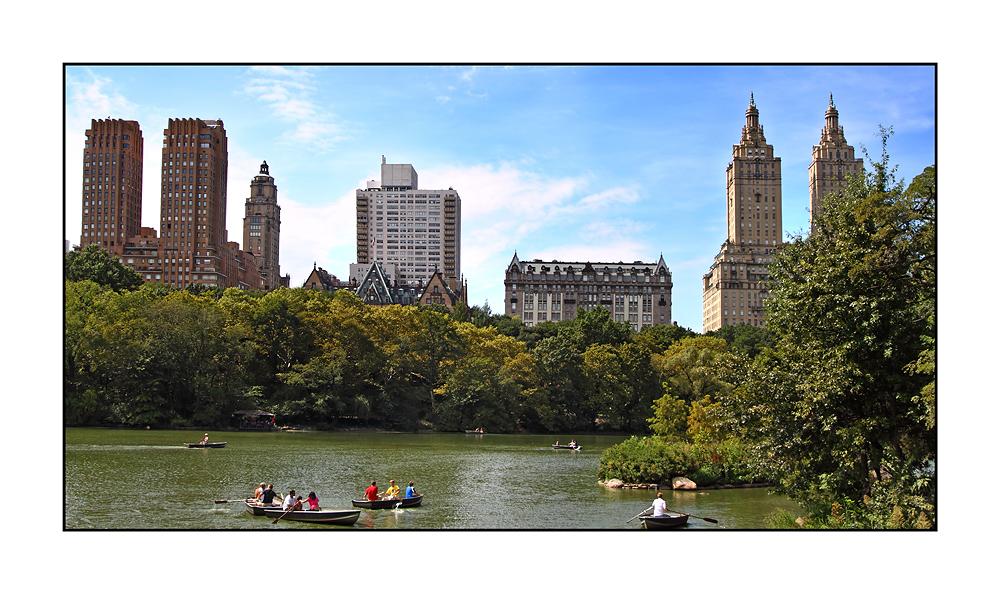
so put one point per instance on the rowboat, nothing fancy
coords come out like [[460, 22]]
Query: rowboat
[[664, 521], [324, 516], [566, 447], [259, 509], [202, 444], [388, 503], [476, 432]]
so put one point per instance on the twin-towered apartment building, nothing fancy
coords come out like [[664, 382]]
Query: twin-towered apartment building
[[409, 238], [192, 246]]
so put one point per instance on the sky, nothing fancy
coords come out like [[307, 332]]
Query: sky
[[601, 163]]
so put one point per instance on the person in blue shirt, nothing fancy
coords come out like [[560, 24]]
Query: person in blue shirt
[[410, 491]]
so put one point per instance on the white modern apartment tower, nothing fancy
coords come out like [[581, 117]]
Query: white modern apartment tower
[[417, 231]]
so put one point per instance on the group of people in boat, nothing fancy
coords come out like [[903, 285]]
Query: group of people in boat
[[266, 495], [372, 494], [572, 443]]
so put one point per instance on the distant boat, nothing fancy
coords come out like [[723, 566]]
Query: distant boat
[[202, 444], [566, 447], [388, 503], [478, 431]]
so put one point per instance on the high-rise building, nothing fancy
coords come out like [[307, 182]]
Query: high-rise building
[[194, 241], [832, 163], [638, 294], [112, 184], [262, 227], [733, 291], [418, 231]]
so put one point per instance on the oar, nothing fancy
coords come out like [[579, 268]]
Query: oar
[[282, 515], [232, 500], [693, 516], [638, 514]]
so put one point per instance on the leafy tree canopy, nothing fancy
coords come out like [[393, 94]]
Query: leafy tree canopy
[[95, 264]]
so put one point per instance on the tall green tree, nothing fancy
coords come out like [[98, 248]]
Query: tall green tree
[[841, 408]]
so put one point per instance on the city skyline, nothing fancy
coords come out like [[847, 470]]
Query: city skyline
[[571, 163]]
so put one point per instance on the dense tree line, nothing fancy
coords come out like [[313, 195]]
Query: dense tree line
[[152, 355]]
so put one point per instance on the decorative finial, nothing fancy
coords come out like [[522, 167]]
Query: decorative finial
[[831, 100], [751, 100], [263, 168]]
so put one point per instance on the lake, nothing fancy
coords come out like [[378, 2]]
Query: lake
[[148, 480]]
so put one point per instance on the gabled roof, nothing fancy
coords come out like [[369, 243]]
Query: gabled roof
[[376, 289], [438, 280]]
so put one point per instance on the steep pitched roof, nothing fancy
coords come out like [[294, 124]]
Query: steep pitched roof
[[376, 289]]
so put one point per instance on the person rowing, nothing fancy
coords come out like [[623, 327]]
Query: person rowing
[[659, 506], [371, 493], [392, 492], [411, 492], [205, 439], [267, 497], [292, 503]]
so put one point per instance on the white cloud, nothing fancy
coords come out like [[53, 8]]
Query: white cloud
[[289, 93], [323, 234], [506, 208]]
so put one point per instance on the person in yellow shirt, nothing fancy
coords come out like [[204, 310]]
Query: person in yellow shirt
[[392, 492]]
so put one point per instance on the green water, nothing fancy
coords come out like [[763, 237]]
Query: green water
[[135, 480]]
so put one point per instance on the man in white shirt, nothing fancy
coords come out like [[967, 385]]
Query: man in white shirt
[[290, 500], [659, 506]]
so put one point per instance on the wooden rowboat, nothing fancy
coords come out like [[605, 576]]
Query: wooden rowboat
[[202, 444], [566, 447], [259, 509], [324, 516], [476, 432], [388, 503], [664, 521]]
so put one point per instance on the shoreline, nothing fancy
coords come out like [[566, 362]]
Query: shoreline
[[668, 487]]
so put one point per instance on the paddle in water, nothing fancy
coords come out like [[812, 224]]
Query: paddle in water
[[693, 516], [638, 514]]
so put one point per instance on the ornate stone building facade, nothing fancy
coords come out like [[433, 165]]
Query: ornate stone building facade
[[262, 227], [832, 164], [419, 231], [638, 294], [733, 291]]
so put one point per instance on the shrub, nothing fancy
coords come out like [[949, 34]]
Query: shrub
[[647, 460]]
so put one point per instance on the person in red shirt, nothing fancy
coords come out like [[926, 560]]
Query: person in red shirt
[[313, 501], [371, 493]]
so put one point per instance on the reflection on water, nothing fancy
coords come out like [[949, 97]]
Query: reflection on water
[[495, 482]]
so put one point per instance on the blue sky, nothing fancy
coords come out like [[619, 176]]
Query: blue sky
[[572, 162]]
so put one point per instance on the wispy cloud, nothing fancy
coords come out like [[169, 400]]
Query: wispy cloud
[[507, 208], [290, 94], [91, 96]]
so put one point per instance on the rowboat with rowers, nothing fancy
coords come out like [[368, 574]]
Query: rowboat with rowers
[[388, 503], [324, 516]]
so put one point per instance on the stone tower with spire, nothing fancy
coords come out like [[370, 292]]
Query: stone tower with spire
[[833, 163], [262, 227], [733, 291]]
